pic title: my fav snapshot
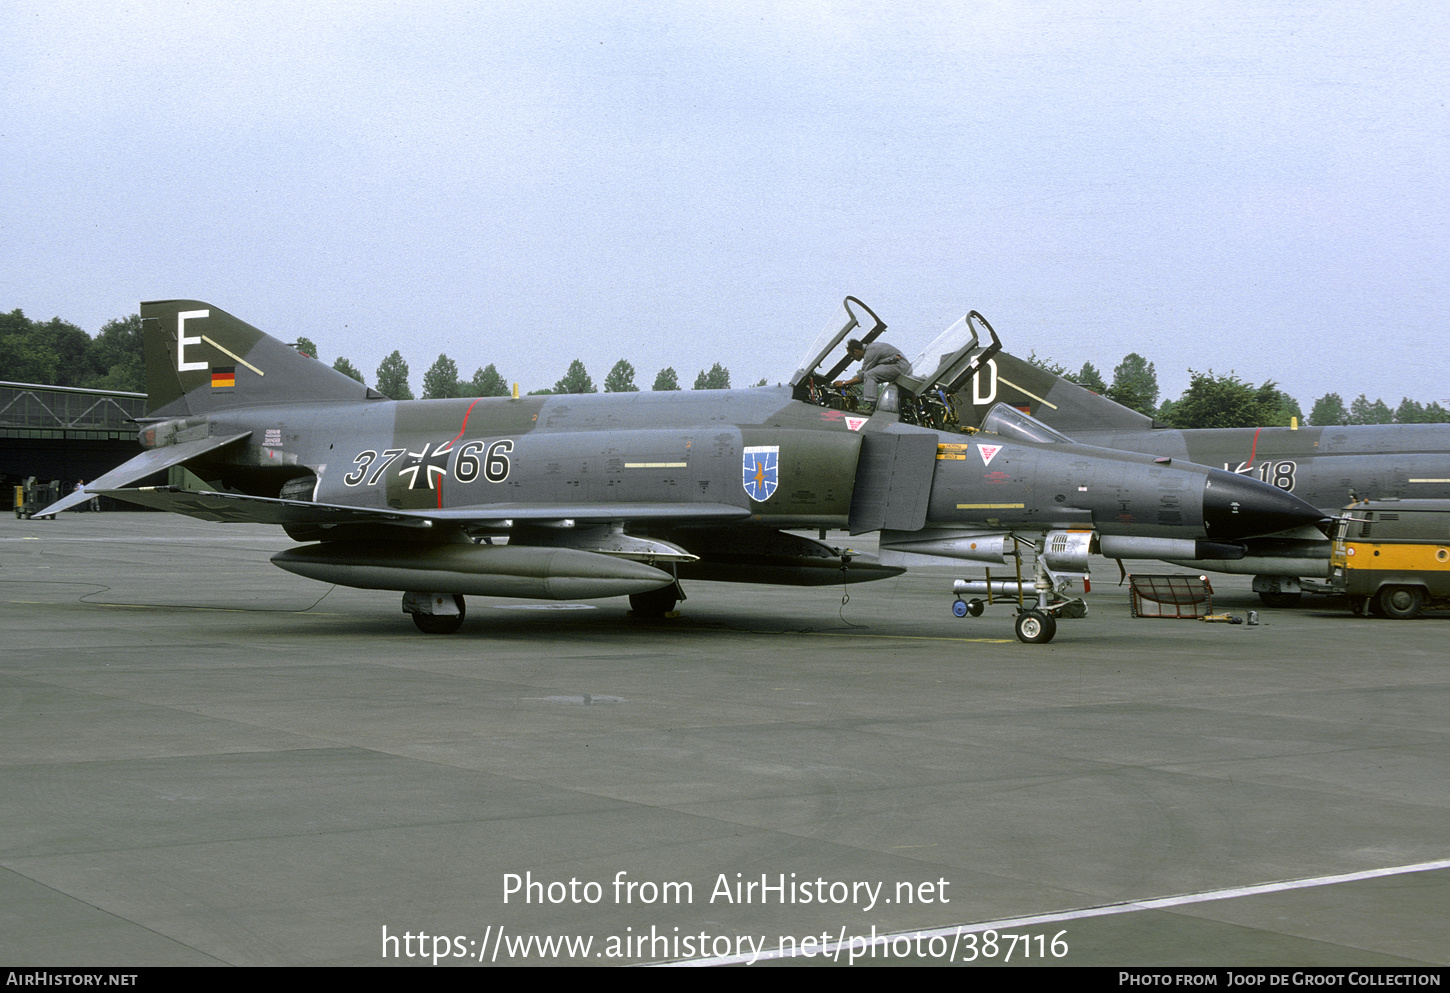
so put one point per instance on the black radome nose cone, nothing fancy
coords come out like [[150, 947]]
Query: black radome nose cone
[[1236, 506]]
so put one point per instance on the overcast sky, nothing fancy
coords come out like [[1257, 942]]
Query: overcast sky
[[1250, 186]]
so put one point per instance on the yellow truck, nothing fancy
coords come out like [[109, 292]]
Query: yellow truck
[[1392, 557]]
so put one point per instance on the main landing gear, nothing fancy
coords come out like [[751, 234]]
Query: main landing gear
[[435, 613], [443, 613], [656, 603]]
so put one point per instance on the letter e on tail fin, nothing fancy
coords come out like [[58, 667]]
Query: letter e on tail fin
[[199, 359]]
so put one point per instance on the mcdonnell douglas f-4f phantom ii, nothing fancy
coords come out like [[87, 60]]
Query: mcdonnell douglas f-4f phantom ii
[[617, 494], [1326, 466]]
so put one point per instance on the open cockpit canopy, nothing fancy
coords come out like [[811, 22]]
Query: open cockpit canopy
[[853, 320], [950, 360]]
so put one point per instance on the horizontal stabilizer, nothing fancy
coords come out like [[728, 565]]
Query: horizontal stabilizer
[[238, 508], [143, 465]]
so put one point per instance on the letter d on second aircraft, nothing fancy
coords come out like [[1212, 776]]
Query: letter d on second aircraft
[[991, 370]]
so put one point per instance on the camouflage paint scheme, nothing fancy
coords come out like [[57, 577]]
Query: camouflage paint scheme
[[1325, 466], [576, 482]]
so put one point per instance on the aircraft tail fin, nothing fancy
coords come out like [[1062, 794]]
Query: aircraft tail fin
[[199, 359], [1050, 398]]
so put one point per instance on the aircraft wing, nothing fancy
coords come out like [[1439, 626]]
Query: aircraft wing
[[241, 508], [140, 467]]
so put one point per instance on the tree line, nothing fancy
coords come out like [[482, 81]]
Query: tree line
[[1226, 401], [442, 380], [57, 353]]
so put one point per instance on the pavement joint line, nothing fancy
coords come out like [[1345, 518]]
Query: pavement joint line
[[1083, 913], [305, 610], [116, 915]]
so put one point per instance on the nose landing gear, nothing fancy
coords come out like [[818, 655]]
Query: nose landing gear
[[1035, 628], [1060, 558]]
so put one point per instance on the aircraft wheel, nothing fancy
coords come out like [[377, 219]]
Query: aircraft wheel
[[1280, 599], [1401, 602], [975, 607], [441, 623], [1035, 627], [655, 603]]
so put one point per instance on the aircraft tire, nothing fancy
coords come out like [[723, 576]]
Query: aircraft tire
[[655, 603], [1400, 603], [441, 623], [1280, 599], [1035, 627]]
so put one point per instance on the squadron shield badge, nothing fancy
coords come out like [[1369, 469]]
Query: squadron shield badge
[[760, 471]]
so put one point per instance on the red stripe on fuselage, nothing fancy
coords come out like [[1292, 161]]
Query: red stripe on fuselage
[[461, 428]]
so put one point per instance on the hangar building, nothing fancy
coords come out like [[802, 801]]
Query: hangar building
[[64, 433]]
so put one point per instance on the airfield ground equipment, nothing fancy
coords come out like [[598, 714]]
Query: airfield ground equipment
[[1174, 597], [1392, 557], [32, 496]]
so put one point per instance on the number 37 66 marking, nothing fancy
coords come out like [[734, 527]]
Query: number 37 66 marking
[[491, 459]]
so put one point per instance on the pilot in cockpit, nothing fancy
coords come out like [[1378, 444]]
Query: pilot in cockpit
[[880, 363]]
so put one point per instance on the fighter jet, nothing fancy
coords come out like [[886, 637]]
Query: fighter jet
[[1328, 467], [587, 496]]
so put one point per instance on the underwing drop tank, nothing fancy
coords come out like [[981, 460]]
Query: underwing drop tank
[[479, 570]]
